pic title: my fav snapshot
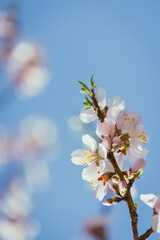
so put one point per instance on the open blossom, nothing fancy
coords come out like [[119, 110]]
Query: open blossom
[[116, 105], [94, 158], [154, 202], [126, 137]]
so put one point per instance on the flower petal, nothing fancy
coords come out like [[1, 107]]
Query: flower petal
[[116, 105], [138, 165], [155, 222], [90, 173], [108, 166], [102, 151], [77, 157], [87, 116], [89, 142], [148, 199], [101, 191], [157, 205], [100, 95]]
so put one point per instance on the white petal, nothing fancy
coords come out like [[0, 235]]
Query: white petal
[[102, 167], [106, 143], [116, 105], [89, 142], [155, 222], [148, 199], [117, 102], [108, 166], [77, 152], [102, 151], [90, 173], [100, 95], [101, 191], [136, 153], [87, 116]]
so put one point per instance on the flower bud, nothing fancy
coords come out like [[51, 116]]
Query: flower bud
[[112, 201]]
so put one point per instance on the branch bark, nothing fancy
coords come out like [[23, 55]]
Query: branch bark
[[146, 234]]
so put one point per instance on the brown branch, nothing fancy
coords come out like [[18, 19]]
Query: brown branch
[[146, 234], [132, 212], [101, 116], [128, 198]]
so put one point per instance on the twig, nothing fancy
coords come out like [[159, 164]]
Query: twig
[[146, 234]]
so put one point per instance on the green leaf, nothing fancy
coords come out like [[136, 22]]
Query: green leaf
[[85, 88], [87, 108], [91, 82], [136, 203], [87, 101]]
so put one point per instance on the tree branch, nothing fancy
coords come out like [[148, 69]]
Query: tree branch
[[146, 234]]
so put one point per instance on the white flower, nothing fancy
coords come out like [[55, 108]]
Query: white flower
[[154, 202], [89, 115], [94, 158]]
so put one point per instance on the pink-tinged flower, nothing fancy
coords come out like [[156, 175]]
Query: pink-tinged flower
[[94, 158], [89, 115], [154, 202], [138, 165], [127, 120], [130, 136]]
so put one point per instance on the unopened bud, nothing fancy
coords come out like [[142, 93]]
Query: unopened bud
[[112, 201]]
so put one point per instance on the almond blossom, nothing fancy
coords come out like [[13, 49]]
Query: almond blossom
[[94, 157], [154, 202], [120, 134]]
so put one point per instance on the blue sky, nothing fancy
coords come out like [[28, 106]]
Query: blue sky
[[118, 41]]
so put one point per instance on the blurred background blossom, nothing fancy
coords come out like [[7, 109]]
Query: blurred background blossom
[[26, 151]]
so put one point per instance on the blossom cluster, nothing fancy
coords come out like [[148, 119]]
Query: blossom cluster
[[121, 133], [117, 158]]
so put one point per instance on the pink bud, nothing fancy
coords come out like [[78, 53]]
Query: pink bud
[[123, 184], [112, 201], [138, 165]]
